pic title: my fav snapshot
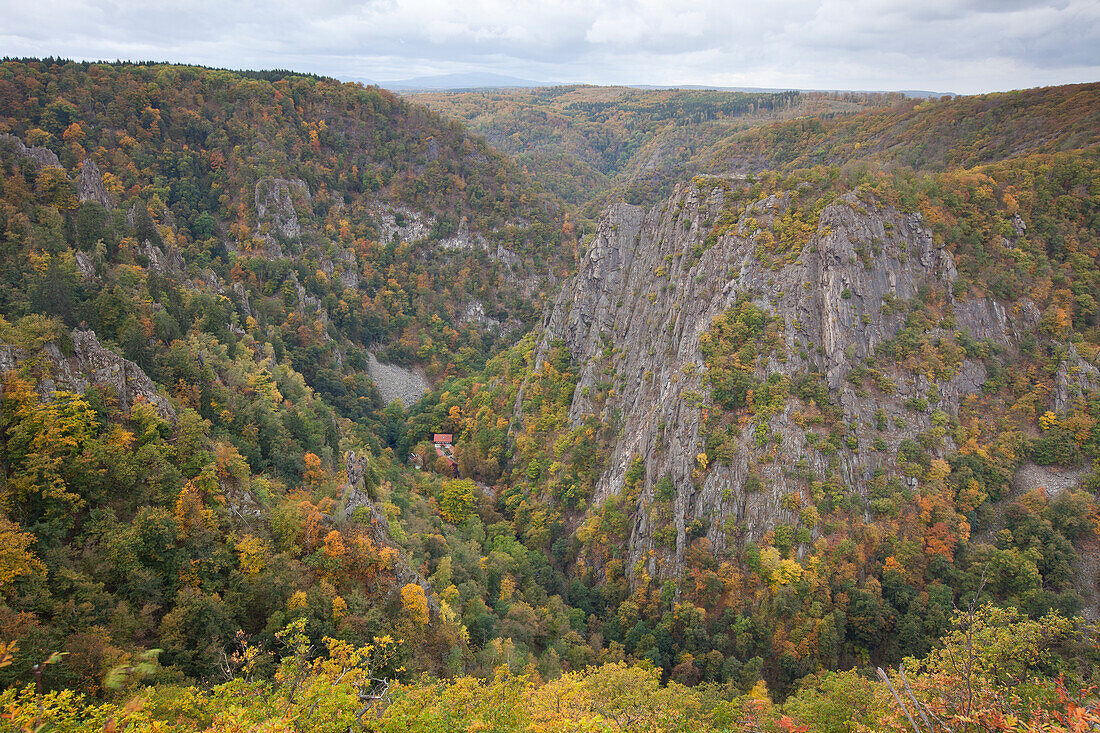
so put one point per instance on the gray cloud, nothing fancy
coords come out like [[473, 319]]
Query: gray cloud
[[946, 45]]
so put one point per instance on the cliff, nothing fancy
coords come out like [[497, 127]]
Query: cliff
[[87, 364], [652, 283]]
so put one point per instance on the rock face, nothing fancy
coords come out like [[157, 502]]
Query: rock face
[[161, 261], [1052, 479], [275, 204], [650, 286], [397, 383], [462, 240], [43, 157], [85, 265], [399, 223], [475, 313], [89, 185], [89, 365], [355, 495]]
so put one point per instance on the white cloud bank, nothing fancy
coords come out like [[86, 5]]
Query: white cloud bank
[[943, 45]]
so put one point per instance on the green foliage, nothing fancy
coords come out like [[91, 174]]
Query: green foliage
[[993, 667], [183, 150], [731, 348], [593, 145], [457, 500], [228, 537], [926, 134]]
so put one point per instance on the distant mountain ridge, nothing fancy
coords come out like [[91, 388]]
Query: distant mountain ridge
[[591, 144], [472, 80], [460, 80]]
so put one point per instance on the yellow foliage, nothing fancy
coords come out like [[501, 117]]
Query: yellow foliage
[[507, 588], [415, 603], [230, 467], [760, 692], [191, 513], [938, 470], [1048, 420], [296, 601], [387, 556], [251, 554], [457, 500], [788, 572], [16, 559]]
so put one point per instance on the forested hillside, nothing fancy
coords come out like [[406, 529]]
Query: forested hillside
[[816, 421], [958, 132], [826, 403], [287, 178], [197, 268], [593, 145], [786, 422], [596, 145]]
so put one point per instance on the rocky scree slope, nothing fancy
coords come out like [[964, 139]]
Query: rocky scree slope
[[646, 293]]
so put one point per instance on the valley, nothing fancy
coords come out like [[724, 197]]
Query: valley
[[745, 397]]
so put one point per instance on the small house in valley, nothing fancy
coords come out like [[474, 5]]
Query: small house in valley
[[444, 448]]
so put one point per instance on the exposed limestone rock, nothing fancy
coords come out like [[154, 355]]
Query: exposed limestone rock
[[308, 304], [397, 383], [89, 185], [357, 468], [969, 380], [356, 496], [399, 223], [462, 240], [1053, 479], [506, 256], [242, 297], [89, 365], [43, 157], [210, 281], [165, 216], [348, 269], [161, 261], [1075, 377], [475, 313], [276, 200], [84, 265], [648, 287], [432, 153]]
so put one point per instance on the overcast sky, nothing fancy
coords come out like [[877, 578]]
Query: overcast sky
[[963, 46]]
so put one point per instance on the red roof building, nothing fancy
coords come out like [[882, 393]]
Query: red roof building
[[445, 450]]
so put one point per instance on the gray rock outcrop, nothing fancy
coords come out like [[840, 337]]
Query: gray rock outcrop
[[1052, 479], [651, 284], [275, 200], [89, 184], [463, 240], [355, 496], [397, 383], [84, 265], [475, 313], [90, 364], [161, 261], [399, 223], [43, 157]]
